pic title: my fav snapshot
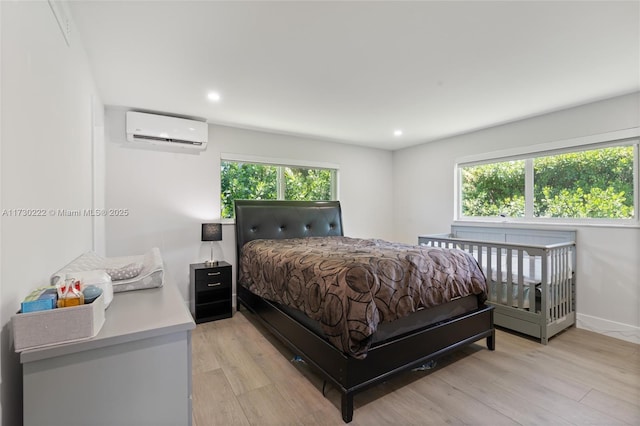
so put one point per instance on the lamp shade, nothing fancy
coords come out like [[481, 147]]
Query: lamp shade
[[211, 232]]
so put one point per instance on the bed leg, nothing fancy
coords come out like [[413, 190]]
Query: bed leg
[[347, 407], [491, 341]]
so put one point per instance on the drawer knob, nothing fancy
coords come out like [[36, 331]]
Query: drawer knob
[[213, 273], [213, 284]]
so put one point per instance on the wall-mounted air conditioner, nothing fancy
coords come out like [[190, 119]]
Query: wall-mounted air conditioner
[[163, 130]]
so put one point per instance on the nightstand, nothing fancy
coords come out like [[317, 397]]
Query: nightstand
[[210, 291]]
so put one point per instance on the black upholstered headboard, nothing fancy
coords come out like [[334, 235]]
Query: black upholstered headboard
[[271, 219]]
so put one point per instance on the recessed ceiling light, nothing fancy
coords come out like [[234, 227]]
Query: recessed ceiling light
[[397, 132], [213, 96]]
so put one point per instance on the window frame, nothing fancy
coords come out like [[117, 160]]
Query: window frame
[[626, 137], [281, 163]]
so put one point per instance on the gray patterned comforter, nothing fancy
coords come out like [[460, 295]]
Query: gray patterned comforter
[[351, 285]]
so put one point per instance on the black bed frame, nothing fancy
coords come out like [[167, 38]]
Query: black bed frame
[[297, 219]]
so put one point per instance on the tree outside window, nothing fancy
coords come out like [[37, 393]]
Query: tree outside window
[[589, 184], [255, 181], [493, 189]]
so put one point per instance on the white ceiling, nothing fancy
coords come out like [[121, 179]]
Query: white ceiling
[[356, 71]]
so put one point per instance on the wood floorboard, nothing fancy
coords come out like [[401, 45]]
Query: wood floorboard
[[520, 367], [266, 406], [451, 398], [230, 346], [481, 383], [554, 402], [407, 406], [621, 410], [203, 358], [593, 375], [214, 402], [242, 375]]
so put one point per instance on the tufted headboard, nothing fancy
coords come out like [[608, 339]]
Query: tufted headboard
[[271, 219]]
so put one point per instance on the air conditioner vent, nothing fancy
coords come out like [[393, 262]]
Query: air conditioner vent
[[155, 129], [159, 139]]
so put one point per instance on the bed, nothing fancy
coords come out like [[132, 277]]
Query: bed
[[396, 346], [530, 272]]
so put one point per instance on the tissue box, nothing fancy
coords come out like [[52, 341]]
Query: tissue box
[[44, 328], [40, 299]]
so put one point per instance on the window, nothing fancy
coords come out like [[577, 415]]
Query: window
[[572, 183], [493, 189], [263, 181], [597, 183]]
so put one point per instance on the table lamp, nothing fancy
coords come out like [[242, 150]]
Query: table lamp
[[211, 232]]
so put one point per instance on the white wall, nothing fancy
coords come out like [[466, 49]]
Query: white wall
[[47, 92], [169, 194], [98, 176], [608, 274]]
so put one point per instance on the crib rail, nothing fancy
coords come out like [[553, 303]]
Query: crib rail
[[531, 285]]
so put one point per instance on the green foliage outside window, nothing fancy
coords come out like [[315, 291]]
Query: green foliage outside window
[[245, 181], [307, 184], [249, 181], [586, 184], [493, 189]]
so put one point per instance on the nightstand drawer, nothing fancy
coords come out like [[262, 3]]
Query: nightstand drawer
[[214, 283], [213, 275]]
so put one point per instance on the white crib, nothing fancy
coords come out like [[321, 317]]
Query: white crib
[[530, 274]]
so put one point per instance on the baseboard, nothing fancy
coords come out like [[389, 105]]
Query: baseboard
[[609, 328]]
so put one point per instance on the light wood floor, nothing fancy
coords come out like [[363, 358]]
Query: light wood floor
[[243, 376]]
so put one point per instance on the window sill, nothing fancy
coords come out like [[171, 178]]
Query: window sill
[[542, 224]]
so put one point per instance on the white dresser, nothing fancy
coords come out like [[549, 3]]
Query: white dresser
[[136, 371]]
